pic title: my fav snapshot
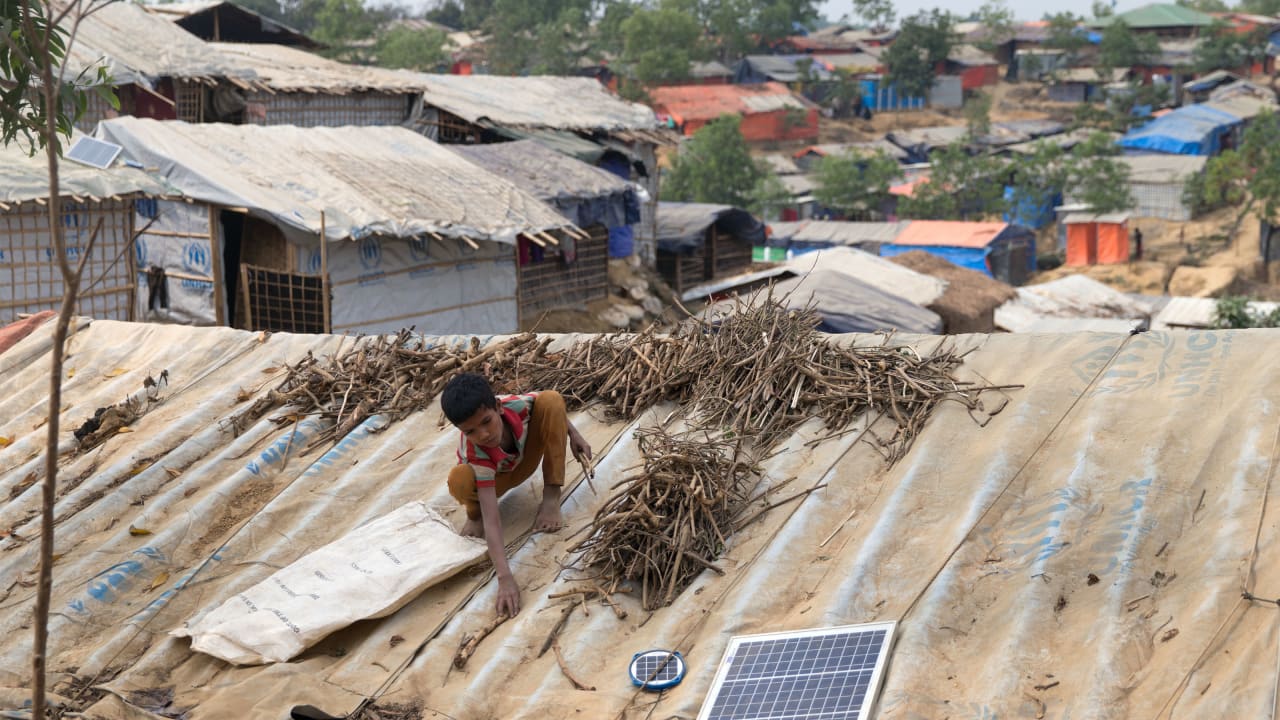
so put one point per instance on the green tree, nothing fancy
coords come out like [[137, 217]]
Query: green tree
[[1121, 49], [1223, 49], [997, 22], [1261, 7], [1249, 176], [715, 166], [660, 44], [879, 14], [404, 47], [1103, 8], [1233, 313], [977, 115], [855, 183], [539, 36], [924, 40], [1065, 33], [610, 36], [38, 109], [769, 195], [960, 187], [1096, 178], [449, 13]]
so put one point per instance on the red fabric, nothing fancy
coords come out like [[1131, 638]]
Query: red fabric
[[12, 333]]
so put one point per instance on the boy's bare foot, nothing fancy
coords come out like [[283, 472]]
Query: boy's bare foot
[[549, 519], [472, 528]]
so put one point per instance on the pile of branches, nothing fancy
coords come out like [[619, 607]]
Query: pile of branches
[[391, 376], [666, 524]]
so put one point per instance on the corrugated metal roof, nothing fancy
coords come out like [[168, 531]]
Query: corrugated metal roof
[[836, 232], [708, 102], [780, 164], [978, 542], [1244, 107], [1157, 15], [709, 69], [929, 137], [1159, 168], [536, 101], [871, 146], [857, 62], [285, 68], [1107, 218], [798, 184], [970, 55], [947, 233], [367, 180]]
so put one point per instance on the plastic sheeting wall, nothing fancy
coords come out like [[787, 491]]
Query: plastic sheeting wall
[[438, 286], [1146, 462], [183, 248], [324, 109]]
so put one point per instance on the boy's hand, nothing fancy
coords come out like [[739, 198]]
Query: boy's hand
[[508, 596], [579, 445]]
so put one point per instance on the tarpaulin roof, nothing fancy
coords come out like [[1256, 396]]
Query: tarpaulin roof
[[1074, 296], [970, 55], [929, 137], [708, 69], [1243, 106], [1191, 312], [708, 102], [1146, 462], [1157, 15], [230, 21], [367, 180], [682, 226], [138, 47], [284, 68], [948, 233], [537, 101], [786, 68], [584, 193], [856, 148], [834, 232], [846, 304], [878, 272], [25, 177], [1162, 169], [1189, 130]]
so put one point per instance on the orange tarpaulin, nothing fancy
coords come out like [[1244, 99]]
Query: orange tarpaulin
[[1113, 243], [1082, 244]]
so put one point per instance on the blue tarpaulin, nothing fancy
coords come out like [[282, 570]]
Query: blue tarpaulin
[[1190, 130], [972, 258], [1026, 212]]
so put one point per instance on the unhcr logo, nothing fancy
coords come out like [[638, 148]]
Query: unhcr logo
[[313, 262], [370, 253], [195, 258]]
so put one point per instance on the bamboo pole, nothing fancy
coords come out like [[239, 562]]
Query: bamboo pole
[[215, 263], [324, 275]]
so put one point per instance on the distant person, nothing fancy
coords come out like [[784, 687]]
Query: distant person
[[1137, 244]]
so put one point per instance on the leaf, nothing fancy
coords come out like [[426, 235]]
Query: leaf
[[135, 531], [173, 472], [116, 373], [269, 370], [71, 372], [5, 442], [125, 430], [159, 580]]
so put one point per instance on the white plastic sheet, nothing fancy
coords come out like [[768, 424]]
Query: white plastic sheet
[[368, 573]]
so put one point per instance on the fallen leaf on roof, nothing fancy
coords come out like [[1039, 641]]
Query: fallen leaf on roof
[[159, 580], [138, 531]]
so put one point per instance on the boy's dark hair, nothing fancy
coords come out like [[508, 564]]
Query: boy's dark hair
[[464, 394]]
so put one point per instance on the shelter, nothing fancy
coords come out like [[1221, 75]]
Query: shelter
[[844, 304], [698, 242], [396, 229], [98, 207], [960, 534], [754, 69], [809, 235], [770, 112], [809, 157], [977, 69], [880, 95], [1156, 183], [575, 272], [839, 38], [1097, 239], [222, 21], [1004, 251], [159, 70], [1200, 87], [1036, 63], [574, 115], [1161, 19], [1188, 130], [1038, 308], [920, 142], [1077, 85], [296, 87], [1025, 37]]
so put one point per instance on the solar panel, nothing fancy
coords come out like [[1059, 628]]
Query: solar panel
[[657, 669], [827, 674], [93, 152]]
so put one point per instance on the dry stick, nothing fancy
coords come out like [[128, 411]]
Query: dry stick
[[470, 642], [577, 684]]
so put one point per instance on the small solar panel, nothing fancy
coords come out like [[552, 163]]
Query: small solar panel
[[828, 674], [657, 669], [93, 152]]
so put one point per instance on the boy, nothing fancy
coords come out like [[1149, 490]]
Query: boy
[[503, 438]]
